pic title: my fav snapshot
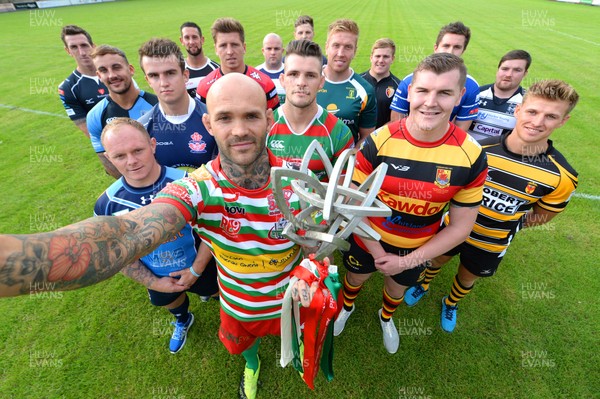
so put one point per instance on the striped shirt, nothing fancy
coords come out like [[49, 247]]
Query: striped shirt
[[422, 178], [515, 183], [328, 130], [243, 230]]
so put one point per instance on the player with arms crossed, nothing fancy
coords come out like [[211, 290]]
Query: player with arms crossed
[[529, 183]]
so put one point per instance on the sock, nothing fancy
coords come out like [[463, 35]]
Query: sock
[[429, 275], [251, 355], [457, 292], [389, 305], [181, 312], [350, 293]]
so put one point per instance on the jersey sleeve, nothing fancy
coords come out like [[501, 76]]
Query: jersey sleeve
[[100, 206], [400, 101], [469, 103], [368, 115], [342, 139], [272, 97], [366, 159], [185, 194], [557, 200], [472, 193], [73, 107], [94, 126]]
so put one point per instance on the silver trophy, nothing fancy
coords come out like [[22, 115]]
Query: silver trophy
[[341, 207]]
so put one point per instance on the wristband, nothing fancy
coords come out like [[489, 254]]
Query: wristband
[[194, 272]]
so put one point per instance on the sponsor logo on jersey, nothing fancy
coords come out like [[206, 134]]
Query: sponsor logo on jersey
[[109, 120], [500, 202], [530, 188], [276, 144], [235, 209], [231, 227], [442, 177], [164, 143], [332, 108], [147, 200], [255, 75], [389, 91], [490, 131], [70, 112], [61, 92], [196, 144], [89, 101], [400, 168], [410, 207]]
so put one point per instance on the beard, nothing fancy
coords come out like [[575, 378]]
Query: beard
[[195, 52]]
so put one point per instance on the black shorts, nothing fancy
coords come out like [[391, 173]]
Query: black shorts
[[206, 285], [357, 260], [477, 261]]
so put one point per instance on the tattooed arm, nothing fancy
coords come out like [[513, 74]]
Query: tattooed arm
[[84, 253]]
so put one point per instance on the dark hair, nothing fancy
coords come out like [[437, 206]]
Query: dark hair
[[190, 25], [72, 30], [517, 55], [457, 28], [304, 19], [440, 63], [159, 47], [304, 48]]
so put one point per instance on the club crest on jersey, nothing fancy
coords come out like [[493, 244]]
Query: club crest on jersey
[[389, 91], [442, 177], [231, 227], [351, 94], [196, 144], [277, 229], [511, 108], [530, 188], [101, 91]]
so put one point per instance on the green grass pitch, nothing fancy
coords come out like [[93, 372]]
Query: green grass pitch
[[529, 332]]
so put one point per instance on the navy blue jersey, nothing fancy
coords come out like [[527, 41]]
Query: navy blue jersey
[[384, 91], [120, 198], [186, 145], [107, 109], [80, 93]]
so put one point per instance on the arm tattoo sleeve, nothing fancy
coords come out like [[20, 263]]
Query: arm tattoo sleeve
[[86, 252]]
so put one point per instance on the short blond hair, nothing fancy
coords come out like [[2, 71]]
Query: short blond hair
[[553, 90], [343, 25], [121, 121], [384, 42]]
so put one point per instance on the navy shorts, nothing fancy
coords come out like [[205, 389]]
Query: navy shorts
[[357, 260], [206, 285]]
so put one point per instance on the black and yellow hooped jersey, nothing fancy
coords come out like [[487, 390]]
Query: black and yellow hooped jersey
[[514, 184]]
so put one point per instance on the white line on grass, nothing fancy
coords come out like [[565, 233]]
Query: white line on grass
[[33, 111], [587, 196], [575, 37]]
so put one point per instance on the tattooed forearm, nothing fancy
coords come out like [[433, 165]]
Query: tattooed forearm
[[139, 273], [86, 252]]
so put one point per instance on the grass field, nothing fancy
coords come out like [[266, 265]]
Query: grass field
[[529, 332]]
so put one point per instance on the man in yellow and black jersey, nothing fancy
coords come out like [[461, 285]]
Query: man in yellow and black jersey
[[529, 182]]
